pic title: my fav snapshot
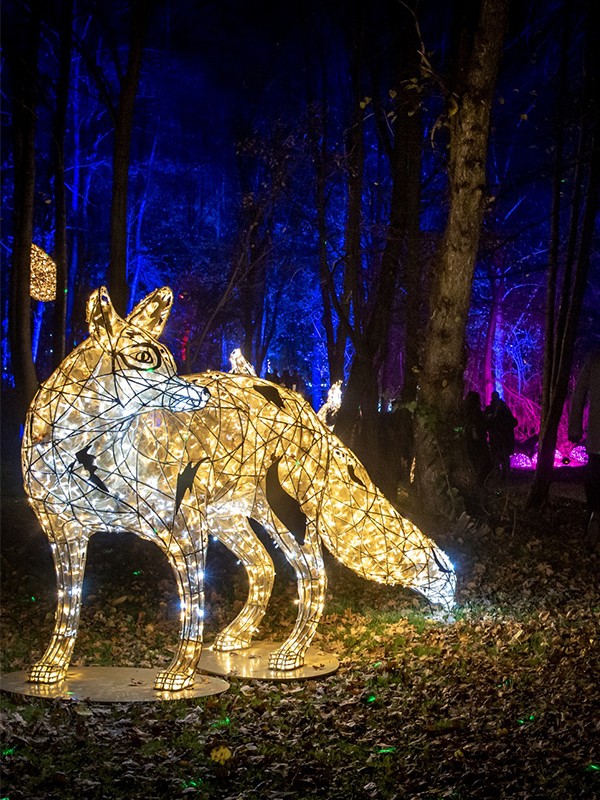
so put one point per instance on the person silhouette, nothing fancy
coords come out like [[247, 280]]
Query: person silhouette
[[286, 379], [501, 426], [475, 434], [587, 392]]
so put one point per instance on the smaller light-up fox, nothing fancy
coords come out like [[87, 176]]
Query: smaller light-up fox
[[115, 440]]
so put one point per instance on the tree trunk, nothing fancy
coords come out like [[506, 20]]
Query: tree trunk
[[386, 448], [561, 328], [60, 195], [22, 59], [139, 223], [335, 343], [439, 463], [492, 368], [117, 272], [410, 129], [358, 420], [351, 301], [412, 271]]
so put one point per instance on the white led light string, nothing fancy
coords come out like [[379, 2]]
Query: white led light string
[[111, 444]]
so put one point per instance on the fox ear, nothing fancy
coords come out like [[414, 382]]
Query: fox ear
[[103, 320], [152, 313]]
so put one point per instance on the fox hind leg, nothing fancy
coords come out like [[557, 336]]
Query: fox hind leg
[[236, 533], [307, 560]]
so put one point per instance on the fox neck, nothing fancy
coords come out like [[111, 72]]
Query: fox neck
[[74, 399]]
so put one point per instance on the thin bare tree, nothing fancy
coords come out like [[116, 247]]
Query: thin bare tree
[[439, 464]]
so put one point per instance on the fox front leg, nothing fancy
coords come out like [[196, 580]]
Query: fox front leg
[[307, 560], [186, 555], [236, 533], [69, 550]]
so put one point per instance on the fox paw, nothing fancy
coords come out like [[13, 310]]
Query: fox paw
[[228, 641], [285, 659], [46, 672], [167, 681]]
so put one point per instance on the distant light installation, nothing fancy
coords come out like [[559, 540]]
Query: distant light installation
[[328, 411], [240, 364], [116, 440], [43, 275]]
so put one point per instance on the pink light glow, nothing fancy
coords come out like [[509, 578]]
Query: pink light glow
[[575, 457]]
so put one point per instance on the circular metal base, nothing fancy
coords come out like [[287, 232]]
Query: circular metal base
[[109, 685], [253, 663]]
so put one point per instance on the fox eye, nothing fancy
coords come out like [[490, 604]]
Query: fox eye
[[140, 356]]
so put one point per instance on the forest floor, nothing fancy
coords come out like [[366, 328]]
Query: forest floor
[[503, 702]]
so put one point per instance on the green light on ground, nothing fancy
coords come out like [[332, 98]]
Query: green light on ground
[[8, 751], [219, 723], [387, 750], [137, 571], [530, 718], [593, 768], [192, 783], [371, 698]]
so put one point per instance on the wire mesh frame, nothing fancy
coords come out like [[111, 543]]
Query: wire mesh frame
[[116, 440]]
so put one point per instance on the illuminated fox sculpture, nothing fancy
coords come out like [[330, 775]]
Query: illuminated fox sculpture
[[115, 440]]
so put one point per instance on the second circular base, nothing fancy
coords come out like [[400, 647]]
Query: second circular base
[[253, 663]]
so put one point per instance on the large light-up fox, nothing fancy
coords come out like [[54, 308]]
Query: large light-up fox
[[114, 439]]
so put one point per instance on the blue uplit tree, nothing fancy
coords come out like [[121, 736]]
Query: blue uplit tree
[[289, 172]]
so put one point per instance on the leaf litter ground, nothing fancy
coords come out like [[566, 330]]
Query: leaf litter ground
[[503, 702]]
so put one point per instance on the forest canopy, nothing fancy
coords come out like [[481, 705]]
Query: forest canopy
[[294, 173]]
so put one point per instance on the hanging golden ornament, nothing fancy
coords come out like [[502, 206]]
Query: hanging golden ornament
[[43, 275]]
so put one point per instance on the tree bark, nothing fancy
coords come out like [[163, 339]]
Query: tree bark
[[409, 129], [561, 328], [60, 194], [335, 340], [383, 447], [439, 463], [117, 271], [351, 303], [22, 59], [492, 368]]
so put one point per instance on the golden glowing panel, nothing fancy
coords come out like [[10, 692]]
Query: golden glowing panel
[[43, 275], [116, 440]]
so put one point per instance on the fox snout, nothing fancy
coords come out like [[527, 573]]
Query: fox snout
[[186, 396], [441, 587]]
